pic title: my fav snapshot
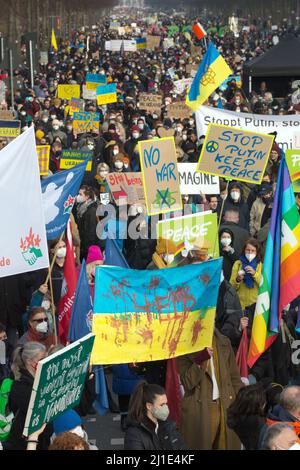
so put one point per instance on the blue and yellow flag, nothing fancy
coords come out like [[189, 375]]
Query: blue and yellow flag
[[53, 41], [212, 72], [152, 315]]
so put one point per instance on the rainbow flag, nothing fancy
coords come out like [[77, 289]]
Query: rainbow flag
[[280, 282], [212, 72], [151, 315]]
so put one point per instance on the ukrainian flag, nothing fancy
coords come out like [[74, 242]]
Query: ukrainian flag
[[212, 72], [141, 43], [53, 41]]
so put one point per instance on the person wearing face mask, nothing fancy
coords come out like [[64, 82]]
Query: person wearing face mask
[[235, 199], [164, 254], [118, 163], [227, 251], [57, 132], [70, 421], [246, 273], [86, 219], [143, 128], [38, 328], [70, 134], [261, 210], [148, 427], [25, 362], [57, 274], [102, 184], [132, 142]]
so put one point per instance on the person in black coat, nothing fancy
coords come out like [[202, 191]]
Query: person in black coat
[[246, 415], [147, 426], [23, 368], [87, 220], [231, 221], [235, 199], [138, 251], [227, 251]]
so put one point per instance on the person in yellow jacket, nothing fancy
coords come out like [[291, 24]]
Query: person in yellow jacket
[[246, 273]]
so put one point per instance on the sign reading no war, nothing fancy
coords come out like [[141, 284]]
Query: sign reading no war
[[235, 154]]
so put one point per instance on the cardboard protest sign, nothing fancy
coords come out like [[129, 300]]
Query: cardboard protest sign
[[126, 188], [235, 154], [6, 115], [151, 103], [86, 122], [181, 85], [293, 163], [153, 42], [44, 59], [178, 110], [168, 43], [58, 383], [67, 92], [201, 228], [76, 105], [43, 152], [96, 55], [191, 69], [160, 175], [107, 94], [88, 94], [72, 158], [192, 182], [10, 128]]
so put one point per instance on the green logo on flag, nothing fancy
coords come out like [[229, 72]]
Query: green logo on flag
[[30, 247]]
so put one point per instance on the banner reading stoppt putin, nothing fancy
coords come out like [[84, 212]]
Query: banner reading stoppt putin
[[235, 154], [156, 315], [160, 175]]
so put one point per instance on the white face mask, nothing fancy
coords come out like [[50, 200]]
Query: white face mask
[[184, 137], [61, 252], [191, 122], [69, 128], [90, 147], [103, 174], [179, 129], [225, 241], [295, 447], [135, 135], [46, 304], [42, 327], [250, 257], [235, 195], [53, 116], [154, 116], [168, 258], [45, 119], [78, 431], [126, 165], [222, 277], [119, 165], [115, 151], [55, 128], [141, 126]]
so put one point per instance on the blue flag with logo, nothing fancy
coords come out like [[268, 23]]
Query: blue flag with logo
[[58, 194], [113, 254]]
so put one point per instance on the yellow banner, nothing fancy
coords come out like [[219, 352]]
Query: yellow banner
[[107, 99], [93, 86], [67, 92], [66, 163], [122, 340]]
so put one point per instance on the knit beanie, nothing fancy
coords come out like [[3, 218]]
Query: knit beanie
[[94, 254], [66, 422]]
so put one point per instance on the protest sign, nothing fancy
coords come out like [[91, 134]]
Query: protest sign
[[293, 163], [191, 69], [107, 94], [9, 128], [181, 85], [99, 78], [141, 43], [160, 175], [6, 115], [58, 383], [43, 152], [150, 103], [67, 92], [88, 94], [178, 110], [121, 31], [201, 228], [116, 45], [76, 105], [96, 55], [44, 59], [287, 127], [237, 78], [168, 43], [86, 122], [153, 42], [233, 154], [192, 182], [162, 314], [126, 188], [114, 25], [71, 158]]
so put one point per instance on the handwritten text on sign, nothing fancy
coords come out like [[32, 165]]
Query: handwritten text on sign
[[293, 163], [235, 154], [160, 175]]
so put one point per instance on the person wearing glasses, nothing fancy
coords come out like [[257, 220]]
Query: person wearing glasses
[[38, 328]]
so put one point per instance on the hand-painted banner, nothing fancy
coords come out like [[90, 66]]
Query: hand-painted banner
[[10, 128], [160, 175], [293, 163], [157, 315], [192, 182], [233, 154], [150, 103], [6, 115], [287, 127], [237, 78], [201, 228], [71, 158], [86, 122], [67, 92], [43, 152], [58, 383], [76, 106], [126, 188], [180, 86], [107, 94]]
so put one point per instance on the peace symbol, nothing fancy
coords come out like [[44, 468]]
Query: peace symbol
[[212, 146]]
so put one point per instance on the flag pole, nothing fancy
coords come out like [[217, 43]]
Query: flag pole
[[221, 215], [54, 258], [53, 308]]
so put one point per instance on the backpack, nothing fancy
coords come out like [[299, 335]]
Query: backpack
[[6, 416]]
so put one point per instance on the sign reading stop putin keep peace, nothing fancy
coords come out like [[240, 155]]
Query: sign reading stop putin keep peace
[[235, 154]]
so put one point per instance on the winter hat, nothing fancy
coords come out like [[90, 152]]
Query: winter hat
[[265, 188], [39, 134], [135, 129], [66, 422], [94, 254], [276, 148]]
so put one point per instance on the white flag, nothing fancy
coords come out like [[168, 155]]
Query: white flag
[[23, 242]]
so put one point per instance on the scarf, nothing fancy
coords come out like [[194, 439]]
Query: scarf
[[82, 208], [248, 279]]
